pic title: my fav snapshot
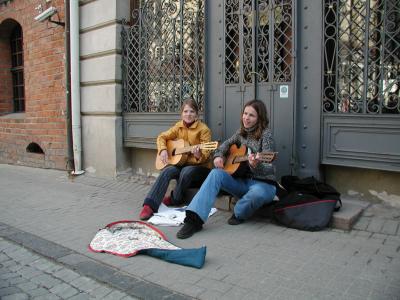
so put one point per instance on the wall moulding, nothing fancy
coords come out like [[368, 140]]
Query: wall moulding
[[371, 142], [141, 129]]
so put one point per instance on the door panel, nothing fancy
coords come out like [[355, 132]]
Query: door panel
[[233, 104], [256, 58], [282, 125], [235, 97]]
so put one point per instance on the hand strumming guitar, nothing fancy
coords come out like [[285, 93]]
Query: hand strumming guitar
[[164, 156], [219, 162]]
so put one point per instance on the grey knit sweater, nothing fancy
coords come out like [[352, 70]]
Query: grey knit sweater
[[263, 171]]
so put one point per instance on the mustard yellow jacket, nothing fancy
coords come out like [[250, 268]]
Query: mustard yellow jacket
[[196, 134]]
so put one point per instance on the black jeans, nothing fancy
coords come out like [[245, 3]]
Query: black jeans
[[187, 177]]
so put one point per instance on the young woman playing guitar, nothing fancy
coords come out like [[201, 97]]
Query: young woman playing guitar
[[192, 172], [254, 188]]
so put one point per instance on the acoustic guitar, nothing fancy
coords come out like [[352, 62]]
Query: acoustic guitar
[[178, 151], [233, 164]]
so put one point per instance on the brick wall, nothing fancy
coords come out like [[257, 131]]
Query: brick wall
[[44, 120]]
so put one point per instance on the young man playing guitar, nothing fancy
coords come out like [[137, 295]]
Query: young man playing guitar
[[254, 187], [192, 172]]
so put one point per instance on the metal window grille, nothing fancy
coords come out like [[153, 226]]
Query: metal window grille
[[263, 47], [163, 56], [17, 69], [362, 56]]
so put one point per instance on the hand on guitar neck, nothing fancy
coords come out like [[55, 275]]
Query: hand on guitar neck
[[239, 155]]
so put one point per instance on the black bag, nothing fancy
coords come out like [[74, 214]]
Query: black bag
[[306, 204], [308, 185]]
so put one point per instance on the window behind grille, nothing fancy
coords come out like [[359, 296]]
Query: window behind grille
[[362, 56], [163, 56]]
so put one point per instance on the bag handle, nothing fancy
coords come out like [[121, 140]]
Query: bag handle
[[340, 205]]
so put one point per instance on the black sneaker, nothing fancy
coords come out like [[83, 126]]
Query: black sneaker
[[188, 230], [235, 221]]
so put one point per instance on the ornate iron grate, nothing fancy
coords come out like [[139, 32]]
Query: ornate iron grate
[[263, 48], [163, 56], [362, 56]]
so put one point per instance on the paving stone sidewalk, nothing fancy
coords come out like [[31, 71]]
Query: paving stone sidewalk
[[255, 260], [27, 275]]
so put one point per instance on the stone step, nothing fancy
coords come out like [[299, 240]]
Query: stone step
[[349, 213]]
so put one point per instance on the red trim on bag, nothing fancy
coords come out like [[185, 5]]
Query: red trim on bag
[[141, 222], [297, 205]]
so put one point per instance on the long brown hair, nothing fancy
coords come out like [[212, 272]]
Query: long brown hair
[[262, 118]]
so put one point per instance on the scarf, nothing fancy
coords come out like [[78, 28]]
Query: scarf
[[187, 125]]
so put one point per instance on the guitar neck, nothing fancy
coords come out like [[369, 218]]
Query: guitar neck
[[242, 158], [187, 149]]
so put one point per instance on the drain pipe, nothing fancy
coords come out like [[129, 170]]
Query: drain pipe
[[70, 154], [75, 87]]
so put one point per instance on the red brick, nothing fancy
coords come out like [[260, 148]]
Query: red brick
[[43, 122]]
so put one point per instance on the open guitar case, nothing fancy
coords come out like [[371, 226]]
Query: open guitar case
[[129, 238]]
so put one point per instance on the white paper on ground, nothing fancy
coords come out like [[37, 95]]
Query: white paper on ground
[[168, 216]]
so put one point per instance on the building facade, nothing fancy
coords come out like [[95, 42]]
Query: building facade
[[328, 72], [32, 86]]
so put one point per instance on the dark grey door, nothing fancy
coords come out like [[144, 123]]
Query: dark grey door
[[250, 56]]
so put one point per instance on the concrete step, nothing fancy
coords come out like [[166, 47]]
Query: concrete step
[[349, 213]]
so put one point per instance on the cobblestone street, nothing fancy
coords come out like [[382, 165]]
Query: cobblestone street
[[26, 275]]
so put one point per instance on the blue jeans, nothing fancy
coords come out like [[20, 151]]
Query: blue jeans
[[189, 176], [252, 194]]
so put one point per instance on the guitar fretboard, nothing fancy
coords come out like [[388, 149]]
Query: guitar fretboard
[[266, 157], [185, 149], [207, 146]]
